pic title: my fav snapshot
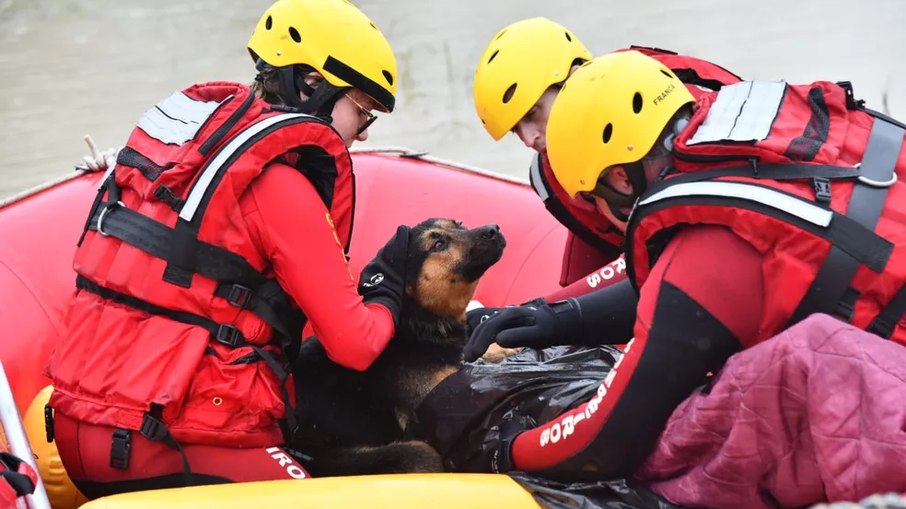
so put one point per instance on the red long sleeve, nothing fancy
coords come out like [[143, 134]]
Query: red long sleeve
[[284, 211]]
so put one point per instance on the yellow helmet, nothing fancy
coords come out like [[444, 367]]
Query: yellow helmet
[[519, 64], [333, 37], [611, 111]]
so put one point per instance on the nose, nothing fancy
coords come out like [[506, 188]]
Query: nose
[[528, 134], [491, 231], [362, 136]]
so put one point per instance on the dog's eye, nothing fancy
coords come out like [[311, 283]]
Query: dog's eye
[[439, 244]]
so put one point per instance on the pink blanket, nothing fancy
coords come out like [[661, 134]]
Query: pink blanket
[[816, 413]]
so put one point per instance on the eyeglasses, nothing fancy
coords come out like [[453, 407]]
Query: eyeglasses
[[369, 117]]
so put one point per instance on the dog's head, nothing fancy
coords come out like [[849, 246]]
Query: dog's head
[[445, 262]]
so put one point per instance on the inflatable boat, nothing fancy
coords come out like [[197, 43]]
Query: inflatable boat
[[393, 186]]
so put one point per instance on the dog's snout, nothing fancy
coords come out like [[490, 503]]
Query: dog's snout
[[490, 231]]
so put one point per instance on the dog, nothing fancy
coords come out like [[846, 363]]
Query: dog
[[353, 423]]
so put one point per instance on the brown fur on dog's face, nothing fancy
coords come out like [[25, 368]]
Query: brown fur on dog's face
[[445, 262]]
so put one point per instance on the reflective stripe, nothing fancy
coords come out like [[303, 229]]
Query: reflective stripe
[[536, 178], [742, 112], [774, 199], [204, 181], [176, 119]]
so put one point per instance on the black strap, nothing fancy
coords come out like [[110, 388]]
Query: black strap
[[830, 291], [360, 81], [269, 302], [128, 156], [772, 171], [223, 333], [181, 254], [282, 370], [157, 238], [884, 324], [238, 282], [806, 146], [230, 123], [154, 429], [20, 483], [98, 201]]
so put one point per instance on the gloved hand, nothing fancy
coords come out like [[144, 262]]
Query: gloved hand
[[98, 160], [383, 279], [535, 324], [476, 316]]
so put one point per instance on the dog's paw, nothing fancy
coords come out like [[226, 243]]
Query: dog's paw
[[496, 353]]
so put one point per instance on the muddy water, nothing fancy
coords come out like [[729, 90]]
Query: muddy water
[[72, 67]]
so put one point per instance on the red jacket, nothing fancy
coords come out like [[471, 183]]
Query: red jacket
[[581, 218], [195, 263], [809, 179]]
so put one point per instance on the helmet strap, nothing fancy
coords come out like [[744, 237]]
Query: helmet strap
[[616, 200], [291, 81]]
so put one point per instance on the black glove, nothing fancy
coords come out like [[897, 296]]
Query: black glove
[[478, 315], [535, 324], [602, 317], [383, 280]]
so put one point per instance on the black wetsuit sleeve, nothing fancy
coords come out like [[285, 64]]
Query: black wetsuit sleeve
[[608, 315], [695, 311]]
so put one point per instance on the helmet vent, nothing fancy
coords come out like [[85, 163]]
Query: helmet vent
[[295, 34], [388, 76], [509, 93], [500, 34], [268, 23], [608, 133], [637, 103], [493, 56], [665, 73], [374, 26], [568, 37]]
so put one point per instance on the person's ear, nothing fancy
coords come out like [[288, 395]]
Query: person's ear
[[620, 180], [312, 80]]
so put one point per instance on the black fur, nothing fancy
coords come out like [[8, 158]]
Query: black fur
[[352, 422]]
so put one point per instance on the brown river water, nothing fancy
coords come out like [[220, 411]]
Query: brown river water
[[93, 66]]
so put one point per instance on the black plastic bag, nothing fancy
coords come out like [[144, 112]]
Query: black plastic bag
[[462, 416]]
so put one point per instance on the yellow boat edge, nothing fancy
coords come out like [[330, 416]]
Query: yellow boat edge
[[398, 491]]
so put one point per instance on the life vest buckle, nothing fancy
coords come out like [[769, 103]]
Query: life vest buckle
[[229, 336], [153, 428], [822, 188], [239, 296], [876, 183], [107, 208], [48, 423], [121, 449]]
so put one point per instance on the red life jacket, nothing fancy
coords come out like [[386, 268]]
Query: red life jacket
[[177, 321], [586, 223], [808, 176]]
